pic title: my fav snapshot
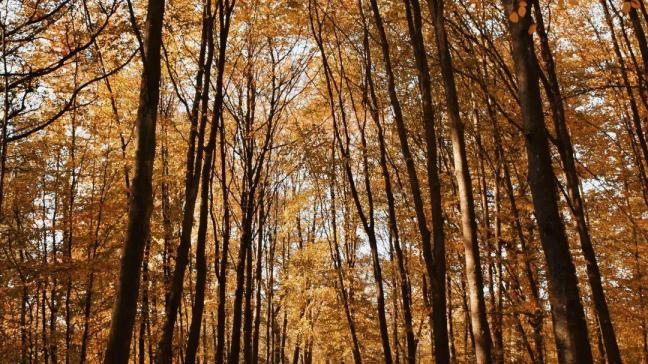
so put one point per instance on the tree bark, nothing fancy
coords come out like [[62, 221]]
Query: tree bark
[[570, 328], [481, 331], [141, 199], [192, 182], [566, 151], [434, 256]]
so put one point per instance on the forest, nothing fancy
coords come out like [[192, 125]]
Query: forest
[[323, 181]]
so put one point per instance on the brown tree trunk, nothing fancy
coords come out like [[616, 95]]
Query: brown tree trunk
[[222, 274], [257, 280], [141, 199], [481, 331], [247, 306], [434, 256], [391, 205], [206, 173], [337, 263], [570, 328], [536, 319], [192, 182], [566, 152], [367, 219], [145, 304]]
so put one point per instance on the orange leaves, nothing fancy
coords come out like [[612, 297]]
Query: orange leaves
[[513, 17], [522, 11], [518, 14], [629, 5]]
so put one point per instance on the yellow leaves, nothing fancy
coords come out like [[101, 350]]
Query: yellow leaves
[[532, 28], [561, 4]]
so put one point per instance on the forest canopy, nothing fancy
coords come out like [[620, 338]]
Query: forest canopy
[[323, 181]]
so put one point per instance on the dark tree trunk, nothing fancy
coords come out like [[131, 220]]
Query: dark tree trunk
[[570, 328], [192, 182], [536, 319], [205, 184], [244, 246], [391, 208], [337, 263], [141, 199], [434, 258], [145, 304], [247, 306], [566, 152], [257, 279], [367, 220]]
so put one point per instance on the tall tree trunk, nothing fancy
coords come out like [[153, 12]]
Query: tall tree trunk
[[536, 319], [225, 12], [205, 187], [570, 328], [335, 88], [192, 181], [566, 151], [247, 305], [247, 206], [257, 279], [141, 199], [337, 263], [391, 208], [145, 304], [434, 256], [481, 331]]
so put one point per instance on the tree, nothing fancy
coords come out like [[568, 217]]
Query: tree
[[141, 196], [570, 328]]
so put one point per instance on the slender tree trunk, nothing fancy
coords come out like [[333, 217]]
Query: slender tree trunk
[[481, 331], [498, 315], [337, 263], [536, 320], [225, 13], [192, 182], [451, 329], [141, 199], [248, 205], [391, 208], [247, 308], [145, 304], [257, 279], [434, 258], [205, 185], [367, 220]]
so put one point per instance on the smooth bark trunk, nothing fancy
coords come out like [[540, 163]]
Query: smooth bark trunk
[[141, 199], [570, 328]]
